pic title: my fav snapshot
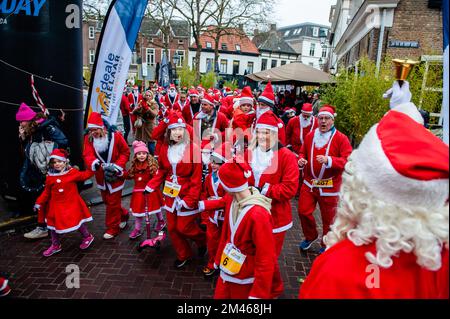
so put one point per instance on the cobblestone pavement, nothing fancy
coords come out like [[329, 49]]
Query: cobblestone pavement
[[114, 269]]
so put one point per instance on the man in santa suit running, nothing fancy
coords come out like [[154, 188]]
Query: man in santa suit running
[[391, 233], [322, 158], [134, 98], [191, 108], [107, 153]]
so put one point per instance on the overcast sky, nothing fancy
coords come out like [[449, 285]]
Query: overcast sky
[[289, 12]]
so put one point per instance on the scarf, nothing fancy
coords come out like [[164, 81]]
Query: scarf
[[254, 199]]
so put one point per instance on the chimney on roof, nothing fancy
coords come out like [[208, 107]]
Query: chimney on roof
[[241, 26], [273, 27], [255, 32]]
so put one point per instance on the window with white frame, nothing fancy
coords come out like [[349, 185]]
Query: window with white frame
[[180, 41], [209, 64], [181, 56], [208, 45], [287, 33], [263, 64], [315, 31], [224, 66], [324, 52], [283, 62], [91, 56], [312, 49], [250, 67], [238, 47], [274, 64], [91, 33], [150, 55]]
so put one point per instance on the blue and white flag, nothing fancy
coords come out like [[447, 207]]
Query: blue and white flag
[[164, 79], [444, 113], [113, 57]]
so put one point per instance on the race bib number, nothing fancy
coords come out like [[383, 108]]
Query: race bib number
[[171, 189], [323, 183], [232, 260]]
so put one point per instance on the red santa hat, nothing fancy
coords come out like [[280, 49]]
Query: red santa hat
[[221, 153], [135, 87], [4, 287], [59, 154], [172, 86], [208, 99], [228, 90], [175, 120], [246, 96], [25, 113], [193, 92], [267, 96], [307, 108], [327, 110], [234, 175], [269, 121], [95, 120], [403, 163]]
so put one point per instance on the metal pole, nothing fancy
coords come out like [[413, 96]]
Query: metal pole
[[381, 40]]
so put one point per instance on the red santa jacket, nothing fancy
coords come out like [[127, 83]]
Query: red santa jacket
[[295, 135], [134, 101], [220, 123], [172, 105], [125, 106], [253, 237], [118, 154], [279, 181], [243, 120], [338, 149], [343, 272], [66, 211], [188, 114], [187, 173], [214, 191], [180, 106]]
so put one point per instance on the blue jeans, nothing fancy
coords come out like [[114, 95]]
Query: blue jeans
[[151, 147]]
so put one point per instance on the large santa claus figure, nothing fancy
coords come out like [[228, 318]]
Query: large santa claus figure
[[322, 158], [391, 233], [107, 153]]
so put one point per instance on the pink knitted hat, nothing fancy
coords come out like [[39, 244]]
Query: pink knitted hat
[[25, 113], [139, 146]]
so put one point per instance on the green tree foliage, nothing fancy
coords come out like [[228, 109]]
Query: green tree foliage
[[358, 95], [187, 76], [233, 85], [208, 80]]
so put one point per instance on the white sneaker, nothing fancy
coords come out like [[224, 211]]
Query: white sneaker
[[122, 225], [107, 236], [38, 232]]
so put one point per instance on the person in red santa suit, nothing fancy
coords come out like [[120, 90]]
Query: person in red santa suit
[[323, 156], [213, 190], [266, 103], [171, 99], [391, 233], [276, 173], [107, 153], [246, 254], [134, 98], [183, 101], [180, 170], [66, 210], [193, 108]]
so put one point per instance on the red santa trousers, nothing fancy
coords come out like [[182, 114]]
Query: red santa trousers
[[277, 281], [115, 213], [306, 207], [182, 228], [213, 233], [229, 290]]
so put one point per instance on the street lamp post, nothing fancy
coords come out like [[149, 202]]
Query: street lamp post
[[176, 59]]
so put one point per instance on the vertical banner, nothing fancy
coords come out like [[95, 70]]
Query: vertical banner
[[164, 79], [113, 57], [444, 113]]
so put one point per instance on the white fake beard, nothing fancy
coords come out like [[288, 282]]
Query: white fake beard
[[261, 160], [320, 140], [206, 158], [304, 122], [176, 152], [101, 144], [172, 93]]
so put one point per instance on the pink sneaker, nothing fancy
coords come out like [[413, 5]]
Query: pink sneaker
[[135, 234], [87, 242], [52, 250], [160, 225]]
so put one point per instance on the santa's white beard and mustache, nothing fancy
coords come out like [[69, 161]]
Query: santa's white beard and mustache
[[175, 152], [101, 144], [321, 139], [305, 122], [261, 160]]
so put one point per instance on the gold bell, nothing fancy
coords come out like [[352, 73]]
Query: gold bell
[[403, 68]]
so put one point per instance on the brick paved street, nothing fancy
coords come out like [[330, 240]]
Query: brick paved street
[[114, 269]]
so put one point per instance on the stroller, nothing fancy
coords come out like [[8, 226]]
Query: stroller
[[151, 242]]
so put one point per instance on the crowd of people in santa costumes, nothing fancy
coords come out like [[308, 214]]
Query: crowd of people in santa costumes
[[390, 238], [228, 162]]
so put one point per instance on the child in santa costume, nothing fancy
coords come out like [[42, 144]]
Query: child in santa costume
[[213, 190], [391, 233], [276, 174], [106, 153], [323, 156], [143, 168], [66, 210], [180, 169], [246, 254]]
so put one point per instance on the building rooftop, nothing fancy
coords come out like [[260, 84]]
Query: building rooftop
[[303, 30], [272, 41], [151, 27]]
